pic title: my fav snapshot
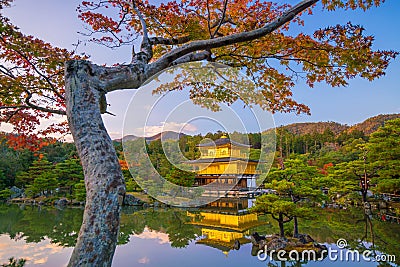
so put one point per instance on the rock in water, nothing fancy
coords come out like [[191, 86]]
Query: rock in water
[[236, 245], [276, 244], [256, 238], [16, 192], [62, 202], [130, 200], [304, 238]]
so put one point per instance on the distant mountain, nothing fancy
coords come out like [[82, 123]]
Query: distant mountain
[[167, 135], [315, 127], [130, 137], [372, 124], [368, 126]]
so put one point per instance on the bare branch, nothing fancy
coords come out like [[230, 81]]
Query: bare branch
[[169, 41], [289, 218], [29, 105], [242, 63], [209, 18], [115, 41], [226, 20], [195, 56], [145, 47], [13, 114], [142, 22], [7, 71], [285, 58], [17, 108], [33, 106], [166, 60], [222, 19], [161, 26], [13, 107]]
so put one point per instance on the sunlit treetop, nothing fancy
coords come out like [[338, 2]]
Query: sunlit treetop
[[253, 36], [333, 55]]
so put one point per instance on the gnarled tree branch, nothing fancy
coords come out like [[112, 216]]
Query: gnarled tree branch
[[195, 56], [222, 19], [132, 76], [33, 106], [166, 60], [169, 41], [146, 48]]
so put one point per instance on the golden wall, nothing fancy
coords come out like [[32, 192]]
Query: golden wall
[[237, 167], [222, 152]]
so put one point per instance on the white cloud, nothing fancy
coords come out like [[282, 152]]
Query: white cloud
[[6, 127], [34, 253], [44, 123], [149, 234], [144, 260], [115, 135], [147, 107]]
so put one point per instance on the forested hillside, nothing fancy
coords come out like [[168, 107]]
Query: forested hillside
[[339, 159], [368, 126], [315, 127], [372, 124]]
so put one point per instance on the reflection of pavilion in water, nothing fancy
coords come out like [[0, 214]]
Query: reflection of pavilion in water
[[224, 224]]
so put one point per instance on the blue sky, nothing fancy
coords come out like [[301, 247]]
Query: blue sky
[[56, 21]]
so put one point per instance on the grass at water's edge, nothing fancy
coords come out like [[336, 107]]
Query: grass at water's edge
[[13, 262]]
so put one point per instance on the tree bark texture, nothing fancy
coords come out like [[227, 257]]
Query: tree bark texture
[[281, 225], [104, 182], [295, 227]]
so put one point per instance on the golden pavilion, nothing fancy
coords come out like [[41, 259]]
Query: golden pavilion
[[225, 164]]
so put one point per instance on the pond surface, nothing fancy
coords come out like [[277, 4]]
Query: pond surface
[[176, 237]]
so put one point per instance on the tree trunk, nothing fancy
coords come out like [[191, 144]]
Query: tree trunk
[[295, 227], [281, 228], [364, 196], [104, 182], [295, 223]]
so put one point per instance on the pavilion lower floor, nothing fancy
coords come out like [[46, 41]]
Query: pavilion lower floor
[[223, 182]]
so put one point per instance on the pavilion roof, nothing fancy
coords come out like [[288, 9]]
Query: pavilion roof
[[221, 142], [225, 159]]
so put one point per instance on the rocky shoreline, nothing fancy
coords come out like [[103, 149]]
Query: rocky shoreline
[[129, 200], [272, 245]]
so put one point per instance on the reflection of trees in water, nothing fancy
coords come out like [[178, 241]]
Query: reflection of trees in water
[[173, 222], [62, 226], [34, 224], [374, 235], [276, 263], [383, 239], [287, 264], [368, 235], [358, 228]]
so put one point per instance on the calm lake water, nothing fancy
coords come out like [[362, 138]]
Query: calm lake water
[[176, 237]]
